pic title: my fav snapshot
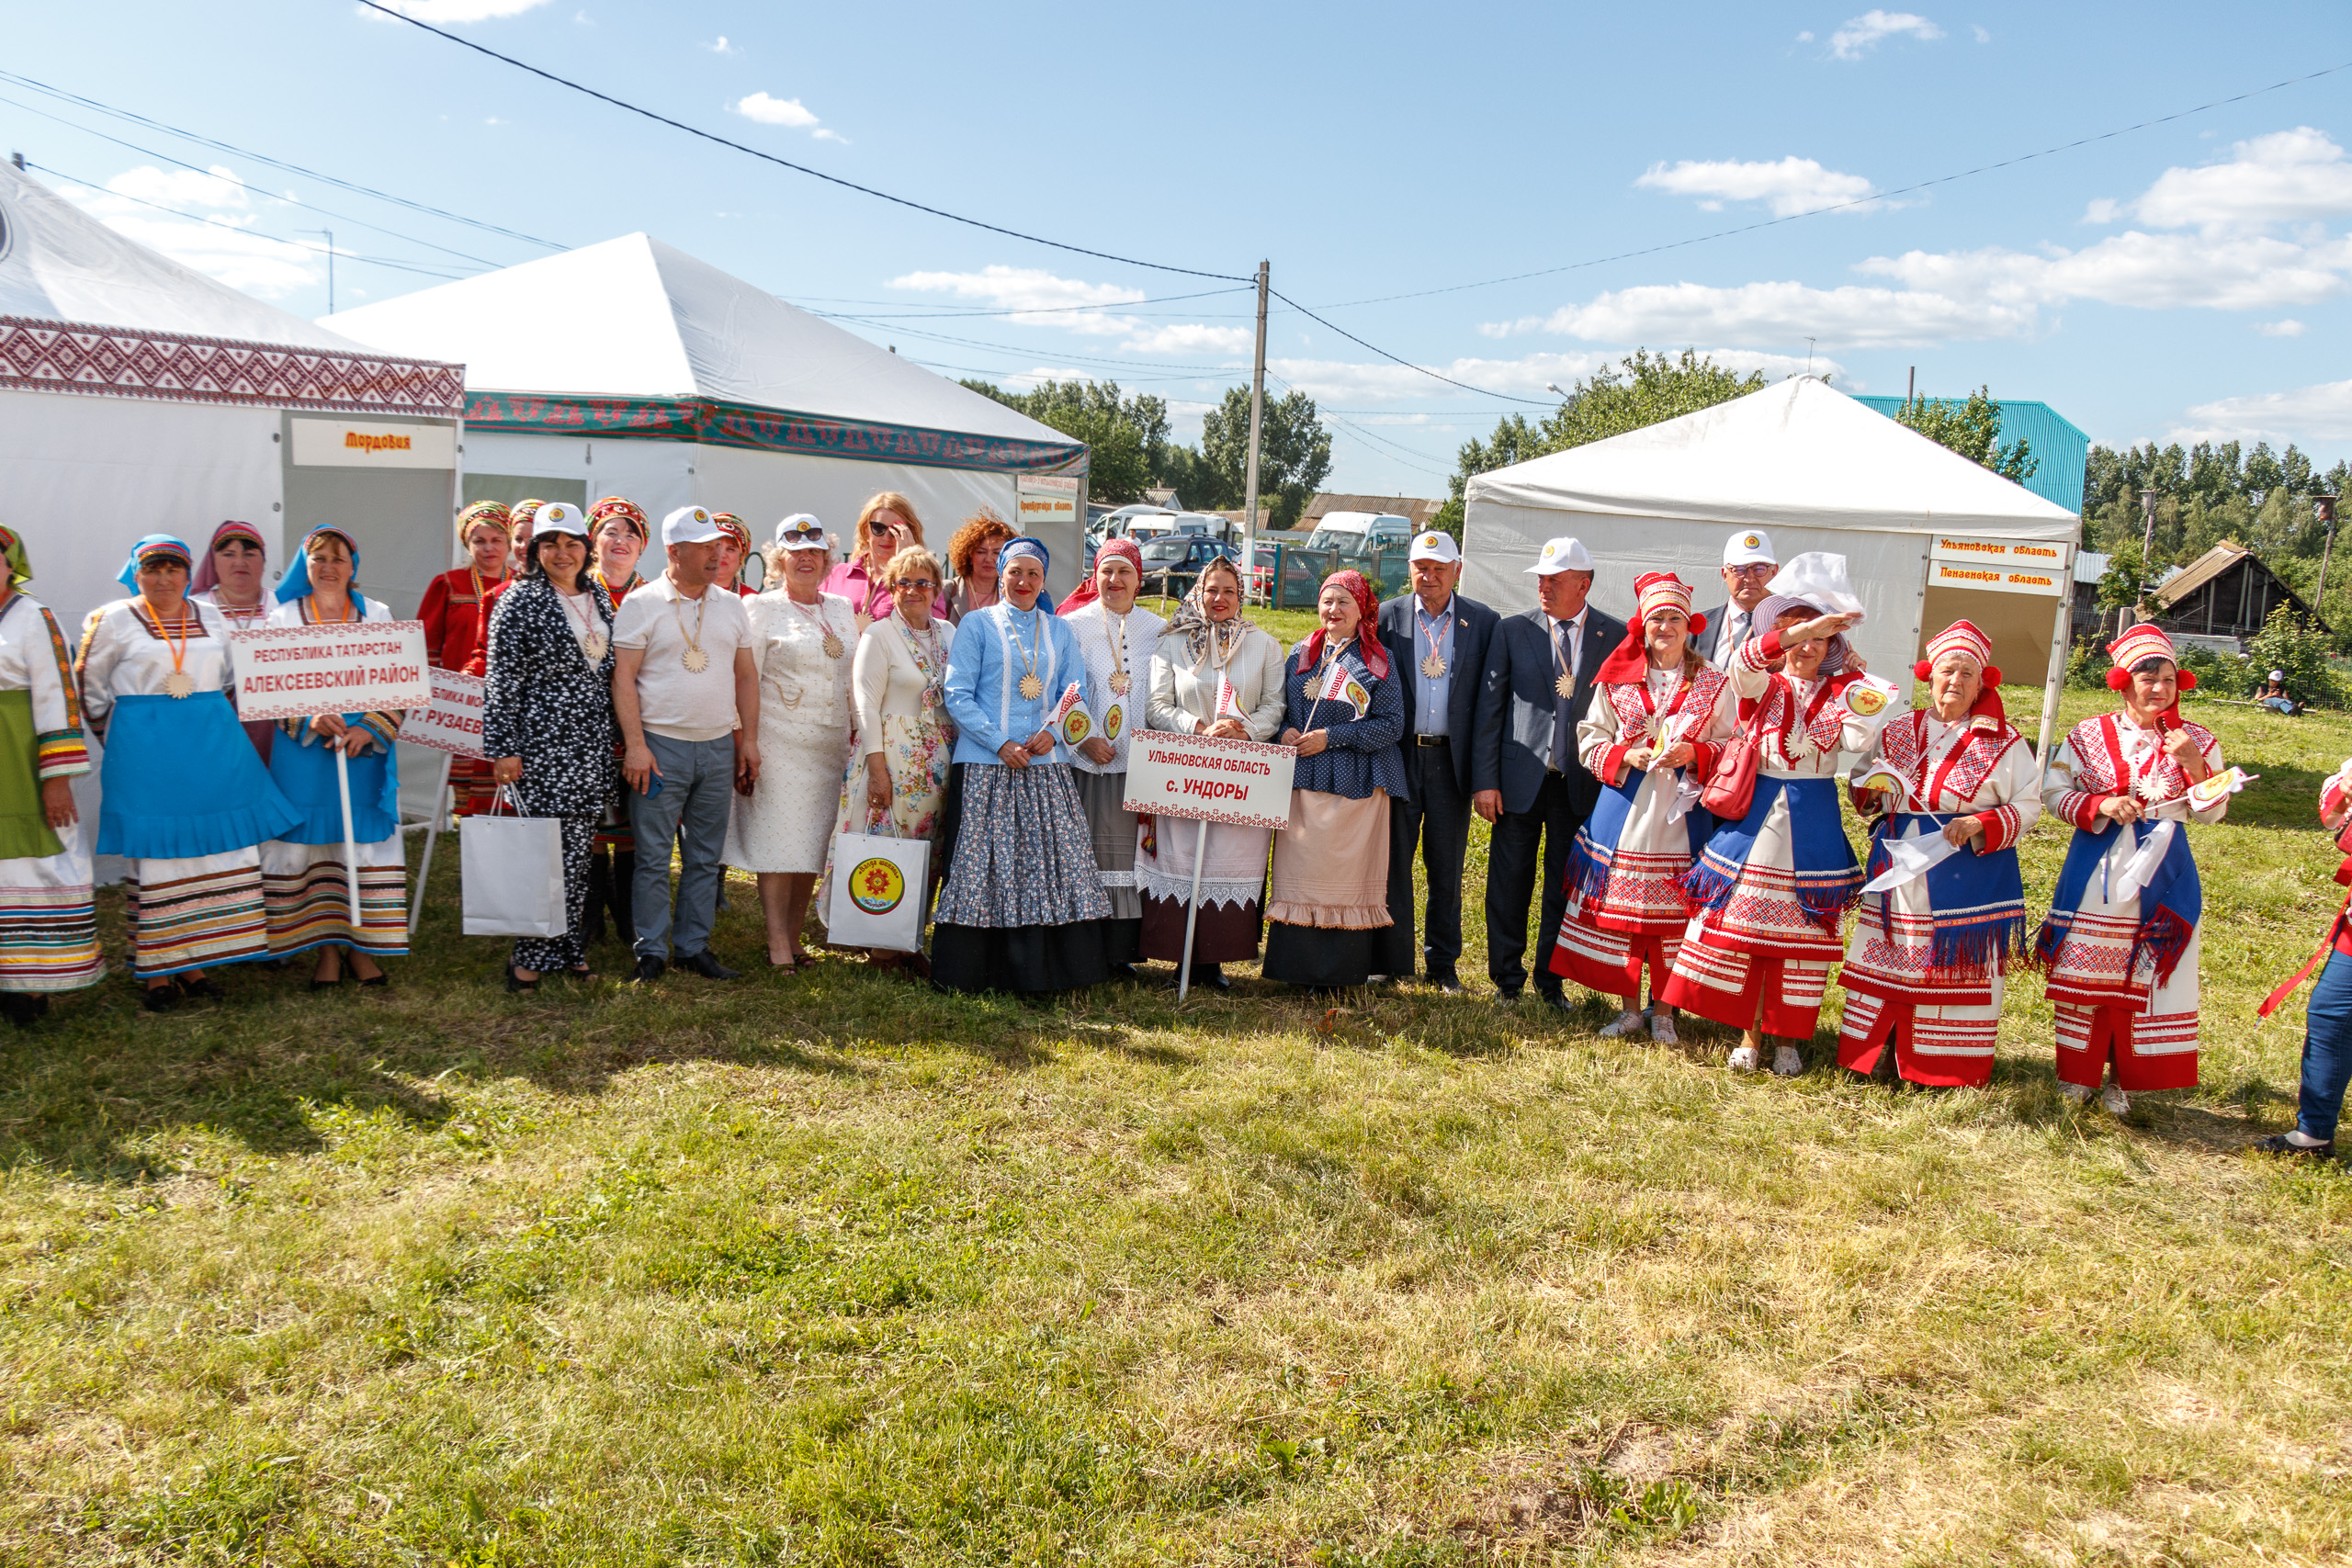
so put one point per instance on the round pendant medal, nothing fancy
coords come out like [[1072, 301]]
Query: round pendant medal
[[594, 648], [1032, 688], [1565, 685], [695, 661], [1119, 683], [1433, 666], [179, 683], [832, 646]]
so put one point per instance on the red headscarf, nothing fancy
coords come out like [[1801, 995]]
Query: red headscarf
[[1368, 647], [1086, 592]]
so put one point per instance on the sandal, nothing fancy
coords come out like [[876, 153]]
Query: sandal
[[161, 998], [582, 973], [515, 984], [200, 986]]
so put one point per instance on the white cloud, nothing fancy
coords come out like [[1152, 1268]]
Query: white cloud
[[1806, 36], [1790, 186], [770, 110], [2322, 412], [1863, 33], [1018, 288], [2288, 328], [1193, 337], [2146, 271], [723, 47], [1348, 383], [212, 237], [2287, 176], [1850, 316], [442, 12], [1983, 35], [826, 133]]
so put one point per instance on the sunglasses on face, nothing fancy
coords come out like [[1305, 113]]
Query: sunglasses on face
[[921, 584], [799, 537]]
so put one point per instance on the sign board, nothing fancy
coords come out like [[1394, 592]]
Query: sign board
[[365, 443], [337, 667], [452, 720], [2000, 566], [1043, 499], [1210, 779]]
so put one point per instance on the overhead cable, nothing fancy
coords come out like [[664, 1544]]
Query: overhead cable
[[1423, 369]]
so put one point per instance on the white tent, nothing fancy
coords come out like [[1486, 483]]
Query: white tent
[[1820, 472], [629, 367], [137, 395]]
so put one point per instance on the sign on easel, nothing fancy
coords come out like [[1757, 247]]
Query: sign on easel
[[452, 720], [1207, 778]]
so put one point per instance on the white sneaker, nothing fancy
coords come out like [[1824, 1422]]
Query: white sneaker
[[2113, 1101], [1745, 1059], [1662, 1028], [1625, 1023], [2076, 1093], [1787, 1062]]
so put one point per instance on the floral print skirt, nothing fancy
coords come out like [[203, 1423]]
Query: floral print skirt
[[916, 751], [1023, 855]]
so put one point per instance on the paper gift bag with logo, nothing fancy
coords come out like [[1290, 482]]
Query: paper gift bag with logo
[[879, 888]]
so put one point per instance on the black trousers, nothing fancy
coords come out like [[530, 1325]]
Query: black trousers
[[1434, 826], [1558, 810]]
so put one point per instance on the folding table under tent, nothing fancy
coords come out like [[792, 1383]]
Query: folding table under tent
[[137, 395], [1928, 536], [629, 367]]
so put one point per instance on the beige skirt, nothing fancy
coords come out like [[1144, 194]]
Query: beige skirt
[[1331, 863]]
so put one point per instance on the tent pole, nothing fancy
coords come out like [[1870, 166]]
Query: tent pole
[[2059, 645]]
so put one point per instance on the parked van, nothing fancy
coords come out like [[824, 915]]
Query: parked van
[[1358, 531]]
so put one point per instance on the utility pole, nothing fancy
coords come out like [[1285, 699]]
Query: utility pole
[[1256, 427], [330, 234], [2326, 505], [2147, 544]]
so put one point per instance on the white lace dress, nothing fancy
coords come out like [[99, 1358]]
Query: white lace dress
[[787, 822]]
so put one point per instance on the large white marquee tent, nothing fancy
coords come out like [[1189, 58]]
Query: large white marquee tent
[[1928, 535], [137, 395], [630, 368]]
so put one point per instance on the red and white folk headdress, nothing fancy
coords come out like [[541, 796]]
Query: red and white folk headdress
[[2137, 645], [1664, 591], [1963, 637]]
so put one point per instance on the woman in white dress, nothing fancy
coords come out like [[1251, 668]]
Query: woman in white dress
[[1118, 638], [803, 637]]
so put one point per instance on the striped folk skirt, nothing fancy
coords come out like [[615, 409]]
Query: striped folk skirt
[[195, 912], [306, 892]]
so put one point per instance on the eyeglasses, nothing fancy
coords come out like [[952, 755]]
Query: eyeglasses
[[1753, 569], [923, 584]]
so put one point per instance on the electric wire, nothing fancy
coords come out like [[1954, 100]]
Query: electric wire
[[785, 162], [1399, 359], [941, 314]]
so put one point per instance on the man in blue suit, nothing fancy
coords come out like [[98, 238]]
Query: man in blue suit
[[1437, 642], [1540, 669]]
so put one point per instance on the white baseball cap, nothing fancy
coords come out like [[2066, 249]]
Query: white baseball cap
[[690, 525], [1562, 555], [801, 531], [559, 517], [1436, 547], [1748, 547]]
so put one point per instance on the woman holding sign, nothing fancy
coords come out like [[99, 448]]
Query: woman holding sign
[[546, 720], [2121, 942], [1116, 635], [186, 797], [801, 637], [456, 612], [1023, 907], [1213, 674], [305, 879], [1924, 972], [1344, 711]]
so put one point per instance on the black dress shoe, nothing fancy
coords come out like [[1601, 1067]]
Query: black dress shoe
[[704, 964], [2277, 1144], [1212, 975], [649, 969], [22, 1009], [1447, 984], [1505, 998], [160, 999], [201, 986]]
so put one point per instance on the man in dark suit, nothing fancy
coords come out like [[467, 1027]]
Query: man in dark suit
[[1437, 642], [1540, 669], [1749, 565]]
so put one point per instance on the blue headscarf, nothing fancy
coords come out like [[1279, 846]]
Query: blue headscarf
[[1027, 545], [152, 546], [297, 585]]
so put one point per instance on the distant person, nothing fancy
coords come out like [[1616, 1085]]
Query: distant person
[[1749, 565], [686, 695], [734, 550], [2271, 693]]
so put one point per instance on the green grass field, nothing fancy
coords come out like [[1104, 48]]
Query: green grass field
[[833, 1269]]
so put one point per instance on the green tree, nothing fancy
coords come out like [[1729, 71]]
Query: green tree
[[1293, 452], [1641, 389], [1973, 429], [2284, 642], [1120, 433]]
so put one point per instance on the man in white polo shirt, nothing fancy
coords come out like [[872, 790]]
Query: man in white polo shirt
[[1749, 565], [687, 692]]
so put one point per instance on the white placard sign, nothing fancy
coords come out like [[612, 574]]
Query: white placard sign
[[2000, 566], [452, 720], [1210, 779], [363, 443], [336, 667], [1045, 498]]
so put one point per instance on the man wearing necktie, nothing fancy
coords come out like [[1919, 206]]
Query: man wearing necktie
[[1524, 772], [1749, 565]]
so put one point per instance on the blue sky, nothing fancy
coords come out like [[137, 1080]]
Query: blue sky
[[2188, 279]]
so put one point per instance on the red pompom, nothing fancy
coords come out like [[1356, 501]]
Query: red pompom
[[1920, 671], [1992, 674], [2188, 680], [2119, 680], [1698, 624]]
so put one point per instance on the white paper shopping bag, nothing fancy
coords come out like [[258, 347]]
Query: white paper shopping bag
[[879, 892], [511, 869]]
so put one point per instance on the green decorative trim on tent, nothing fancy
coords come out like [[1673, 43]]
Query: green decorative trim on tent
[[765, 430]]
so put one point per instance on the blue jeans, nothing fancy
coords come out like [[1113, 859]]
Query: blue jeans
[[2327, 1050], [697, 791]]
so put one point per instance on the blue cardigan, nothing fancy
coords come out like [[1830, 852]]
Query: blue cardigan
[[983, 690], [1361, 753]]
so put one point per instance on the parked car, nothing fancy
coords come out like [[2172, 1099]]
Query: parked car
[[1361, 530], [1134, 521], [1172, 563]]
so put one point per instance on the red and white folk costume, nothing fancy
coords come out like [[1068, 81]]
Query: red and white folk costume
[[456, 612], [1626, 908], [1926, 964], [2122, 969]]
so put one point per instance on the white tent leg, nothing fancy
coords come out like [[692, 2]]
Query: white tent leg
[[2059, 645]]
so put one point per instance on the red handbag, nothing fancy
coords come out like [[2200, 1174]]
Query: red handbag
[[1731, 788]]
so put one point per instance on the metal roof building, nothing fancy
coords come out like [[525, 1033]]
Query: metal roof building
[[2058, 447]]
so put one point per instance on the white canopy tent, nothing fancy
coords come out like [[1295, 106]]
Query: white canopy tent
[[629, 367], [1820, 471], [137, 395]]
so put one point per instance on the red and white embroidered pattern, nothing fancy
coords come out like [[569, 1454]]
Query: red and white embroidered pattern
[[2102, 767], [1762, 916], [1903, 746], [1686, 711], [1642, 895], [123, 361]]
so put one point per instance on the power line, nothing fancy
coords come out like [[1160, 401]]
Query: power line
[[277, 163], [257, 233], [1053, 352], [232, 179], [788, 163], [1396, 450], [1423, 369], [941, 314], [1840, 206]]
